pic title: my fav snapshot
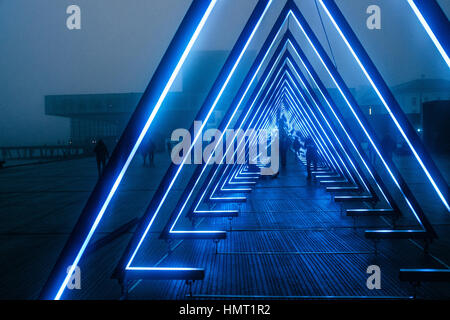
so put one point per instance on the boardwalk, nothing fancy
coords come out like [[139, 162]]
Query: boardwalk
[[289, 241]]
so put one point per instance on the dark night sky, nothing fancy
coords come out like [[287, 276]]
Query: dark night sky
[[122, 41]]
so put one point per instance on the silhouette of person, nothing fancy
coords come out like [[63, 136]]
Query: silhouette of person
[[151, 152], [296, 145], [169, 146], [143, 150], [148, 149], [311, 156], [284, 140], [101, 154], [388, 144]]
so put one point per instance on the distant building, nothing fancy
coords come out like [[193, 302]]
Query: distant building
[[435, 126], [94, 116], [410, 95]]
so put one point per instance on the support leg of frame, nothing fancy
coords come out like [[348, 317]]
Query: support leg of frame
[[426, 246], [169, 246], [124, 286], [189, 285], [394, 222], [375, 246], [415, 286], [216, 245]]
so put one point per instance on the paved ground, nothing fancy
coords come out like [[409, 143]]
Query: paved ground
[[290, 240]]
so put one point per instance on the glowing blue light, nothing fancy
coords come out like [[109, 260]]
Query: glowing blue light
[[357, 118], [227, 125], [381, 97], [338, 120], [136, 146], [315, 132], [430, 32], [245, 117], [225, 84], [319, 122], [331, 129]]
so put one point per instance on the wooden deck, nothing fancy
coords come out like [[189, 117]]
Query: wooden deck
[[290, 240]]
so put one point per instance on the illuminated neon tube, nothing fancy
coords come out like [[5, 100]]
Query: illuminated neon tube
[[388, 100], [128, 144]]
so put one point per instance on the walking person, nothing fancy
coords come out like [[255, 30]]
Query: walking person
[[284, 140], [296, 146], [101, 154], [388, 144], [311, 156], [151, 152], [143, 149]]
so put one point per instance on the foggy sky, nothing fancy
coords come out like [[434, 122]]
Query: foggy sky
[[121, 42]]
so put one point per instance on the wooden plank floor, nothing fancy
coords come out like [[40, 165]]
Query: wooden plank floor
[[289, 241]]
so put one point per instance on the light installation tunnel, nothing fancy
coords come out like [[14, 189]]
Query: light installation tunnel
[[287, 84]]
